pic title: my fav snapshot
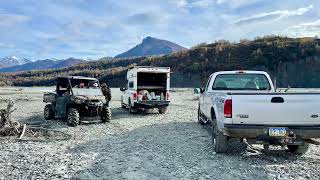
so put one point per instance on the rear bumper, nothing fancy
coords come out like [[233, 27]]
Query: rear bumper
[[261, 131], [151, 104]]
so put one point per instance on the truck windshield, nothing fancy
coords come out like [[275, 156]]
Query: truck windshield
[[241, 82]]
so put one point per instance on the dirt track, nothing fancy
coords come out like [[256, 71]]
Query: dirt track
[[150, 146]]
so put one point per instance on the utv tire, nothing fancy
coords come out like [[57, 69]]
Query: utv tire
[[220, 141], [107, 115], [73, 117], [48, 112], [163, 110], [300, 150], [201, 119]]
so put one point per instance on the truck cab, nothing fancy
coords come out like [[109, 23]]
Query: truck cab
[[147, 88]]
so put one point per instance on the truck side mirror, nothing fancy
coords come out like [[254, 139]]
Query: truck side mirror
[[201, 90], [123, 89]]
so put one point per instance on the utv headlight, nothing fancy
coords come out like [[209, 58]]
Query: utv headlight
[[79, 101]]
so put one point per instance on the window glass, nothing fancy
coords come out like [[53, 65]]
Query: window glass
[[241, 82], [208, 82], [131, 84]]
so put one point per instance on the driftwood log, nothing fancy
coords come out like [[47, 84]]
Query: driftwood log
[[8, 127]]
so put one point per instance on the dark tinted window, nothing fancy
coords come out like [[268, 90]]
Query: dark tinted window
[[131, 84]]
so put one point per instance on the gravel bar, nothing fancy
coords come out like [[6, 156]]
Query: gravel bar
[[140, 146]]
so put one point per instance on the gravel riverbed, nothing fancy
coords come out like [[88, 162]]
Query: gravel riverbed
[[141, 146]]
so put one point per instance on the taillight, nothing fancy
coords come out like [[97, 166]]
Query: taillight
[[167, 95], [134, 96], [227, 108]]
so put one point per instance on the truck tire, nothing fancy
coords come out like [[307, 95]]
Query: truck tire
[[132, 110], [220, 141], [73, 117], [106, 114], [123, 106], [296, 149], [162, 110], [48, 112], [201, 118]]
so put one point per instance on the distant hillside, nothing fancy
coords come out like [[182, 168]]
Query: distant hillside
[[43, 64], [294, 61], [151, 46], [12, 61]]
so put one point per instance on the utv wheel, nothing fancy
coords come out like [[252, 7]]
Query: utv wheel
[[296, 149], [220, 141], [106, 114], [201, 119], [48, 112], [73, 117], [163, 110]]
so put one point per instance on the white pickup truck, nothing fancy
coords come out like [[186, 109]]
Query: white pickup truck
[[245, 105], [147, 88]]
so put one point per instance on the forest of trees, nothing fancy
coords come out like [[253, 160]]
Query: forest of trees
[[293, 61]]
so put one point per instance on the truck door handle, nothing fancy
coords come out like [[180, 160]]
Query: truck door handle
[[277, 100]]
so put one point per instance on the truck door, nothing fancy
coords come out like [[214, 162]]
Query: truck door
[[205, 100], [63, 95]]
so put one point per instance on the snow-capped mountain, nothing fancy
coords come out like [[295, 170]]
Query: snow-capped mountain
[[10, 61], [43, 64]]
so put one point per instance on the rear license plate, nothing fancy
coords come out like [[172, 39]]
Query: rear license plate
[[277, 132]]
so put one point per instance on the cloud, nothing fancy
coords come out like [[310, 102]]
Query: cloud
[[180, 3], [184, 4], [273, 16], [236, 3], [6, 46], [309, 29], [12, 19], [144, 18], [95, 28]]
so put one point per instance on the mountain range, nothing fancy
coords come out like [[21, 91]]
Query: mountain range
[[151, 47], [148, 47], [15, 64], [293, 61], [12, 61]]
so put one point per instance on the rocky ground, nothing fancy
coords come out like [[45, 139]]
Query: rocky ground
[[148, 146]]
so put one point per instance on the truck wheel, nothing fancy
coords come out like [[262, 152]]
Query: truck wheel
[[106, 114], [131, 108], [48, 112], [201, 118], [296, 149], [123, 106], [220, 141], [73, 117], [162, 110]]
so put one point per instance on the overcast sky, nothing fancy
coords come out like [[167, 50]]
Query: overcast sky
[[39, 29]]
